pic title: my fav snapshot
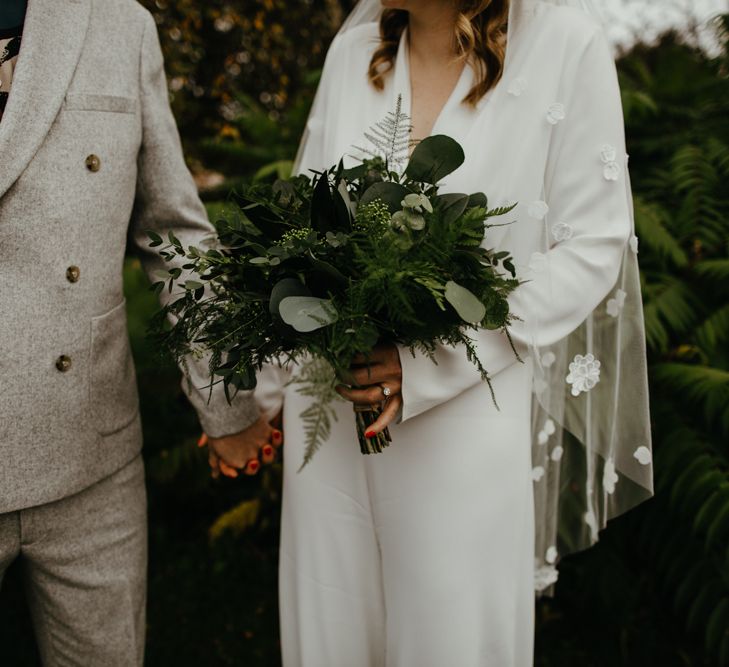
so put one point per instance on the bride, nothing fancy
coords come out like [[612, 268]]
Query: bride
[[430, 553]]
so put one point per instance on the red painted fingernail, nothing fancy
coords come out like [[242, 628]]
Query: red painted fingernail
[[203, 440], [267, 450], [276, 435], [370, 434], [253, 466]]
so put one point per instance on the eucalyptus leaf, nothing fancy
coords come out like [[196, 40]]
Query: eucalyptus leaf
[[434, 158], [478, 199], [161, 274], [391, 194], [465, 302], [454, 204], [307, 313], [284, 288]]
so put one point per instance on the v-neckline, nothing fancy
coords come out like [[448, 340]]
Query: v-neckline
[[403, 86]]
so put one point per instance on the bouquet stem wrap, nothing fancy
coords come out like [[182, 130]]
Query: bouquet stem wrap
[[365, 416]]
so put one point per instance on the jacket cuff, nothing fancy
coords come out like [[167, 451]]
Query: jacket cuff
[[219, 418]]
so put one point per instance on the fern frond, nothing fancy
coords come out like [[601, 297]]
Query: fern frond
[[703, 386], [652, 226], [670, 310], [317, 381], [714, 269], [390, 137], [714, 330], [718, 153]]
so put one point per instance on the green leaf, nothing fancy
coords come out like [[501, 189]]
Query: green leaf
[[156, 239], [466, 304], [193, 285], [284, 288], [718, 625], [307, 313], [329, 212], [355, 173], [652, 227], [497, 312], [710, 509], [501, 210], [478, 200], [278, 169], [719, 527], [329, 269], [434, 158], [391, 194], [454, 204], [244, 378], [174, 240]]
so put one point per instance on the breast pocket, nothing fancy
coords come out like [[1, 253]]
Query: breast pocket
[[91, 102], [113, 387]]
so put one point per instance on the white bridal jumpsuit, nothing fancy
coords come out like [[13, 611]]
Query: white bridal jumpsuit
[[423, 556]]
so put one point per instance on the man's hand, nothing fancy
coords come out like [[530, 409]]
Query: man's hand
[[231, 453], [376, 380]]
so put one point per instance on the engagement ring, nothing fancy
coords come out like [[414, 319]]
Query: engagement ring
[[386, 391]]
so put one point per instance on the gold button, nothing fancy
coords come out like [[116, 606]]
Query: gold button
[[93, 163], [73, 273], [63, 363]]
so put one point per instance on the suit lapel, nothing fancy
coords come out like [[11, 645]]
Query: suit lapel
[[51, 45]]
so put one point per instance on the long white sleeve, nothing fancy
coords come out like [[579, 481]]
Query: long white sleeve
[[584, 188]]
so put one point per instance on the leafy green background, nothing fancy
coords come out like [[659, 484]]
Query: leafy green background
[[657, 584]]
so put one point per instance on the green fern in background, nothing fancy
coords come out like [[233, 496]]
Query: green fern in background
[[260, 144]]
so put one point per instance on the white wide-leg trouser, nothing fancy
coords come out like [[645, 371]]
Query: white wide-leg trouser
[[421, 556]]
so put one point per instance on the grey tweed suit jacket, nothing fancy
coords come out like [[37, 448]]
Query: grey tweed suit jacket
[[89, 154]]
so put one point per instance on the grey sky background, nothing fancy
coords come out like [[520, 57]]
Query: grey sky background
[[648, 18]]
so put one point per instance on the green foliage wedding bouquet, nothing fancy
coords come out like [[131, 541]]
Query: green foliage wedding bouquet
[[321, 269]]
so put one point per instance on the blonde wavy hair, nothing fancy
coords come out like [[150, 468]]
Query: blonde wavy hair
[[479, 38]]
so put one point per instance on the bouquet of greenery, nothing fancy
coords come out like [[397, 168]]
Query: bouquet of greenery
[[321, 269]]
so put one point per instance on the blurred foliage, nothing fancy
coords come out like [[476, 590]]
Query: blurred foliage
[[256, 144], [222, 53]]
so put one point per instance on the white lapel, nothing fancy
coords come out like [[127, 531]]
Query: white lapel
[[51, 45]]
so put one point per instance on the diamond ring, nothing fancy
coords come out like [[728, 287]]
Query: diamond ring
[[386, 391]]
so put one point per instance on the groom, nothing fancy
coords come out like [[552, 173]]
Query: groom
[[89, 155]]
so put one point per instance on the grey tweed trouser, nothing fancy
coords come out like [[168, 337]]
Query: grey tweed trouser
[[85, 562]]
